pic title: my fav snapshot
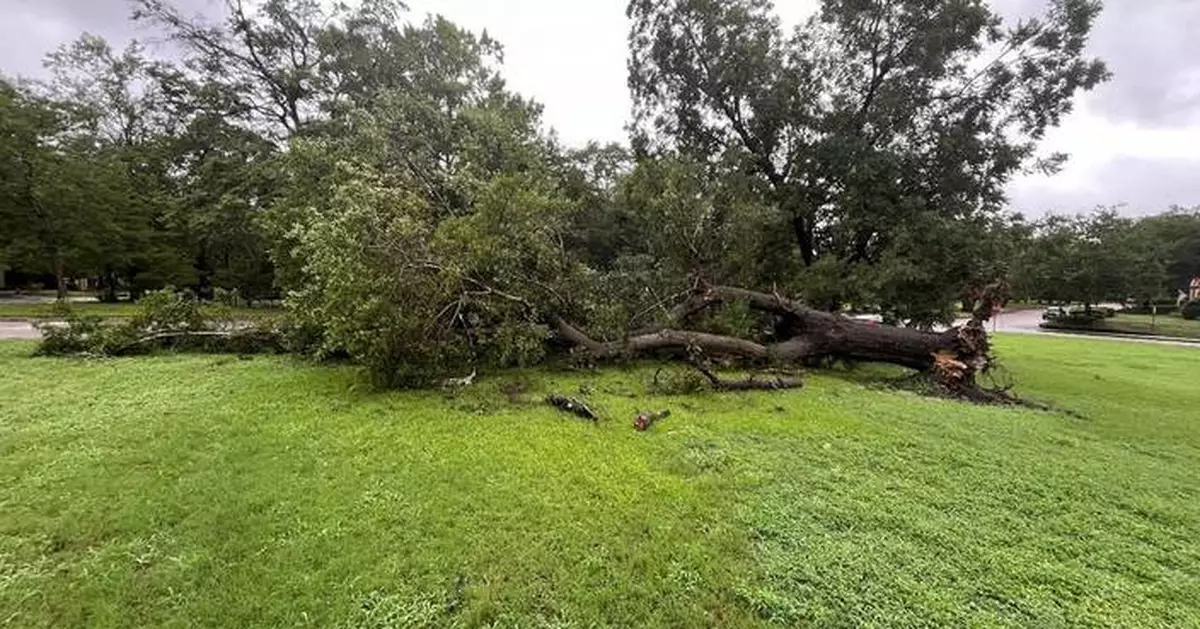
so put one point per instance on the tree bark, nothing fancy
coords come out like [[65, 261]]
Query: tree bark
[[110, 287], [60, 276], [954, 357], [804, 239]]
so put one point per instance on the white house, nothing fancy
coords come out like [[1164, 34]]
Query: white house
[[1194, 289]]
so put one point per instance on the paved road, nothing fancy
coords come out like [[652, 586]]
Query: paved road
[[18, 330], [7, 297], [1017, 321], [1028, 322]]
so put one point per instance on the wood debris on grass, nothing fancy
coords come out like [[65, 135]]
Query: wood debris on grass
[[646, 419], [572, 406]]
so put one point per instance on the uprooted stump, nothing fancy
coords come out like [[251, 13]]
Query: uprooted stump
[[929, 385]]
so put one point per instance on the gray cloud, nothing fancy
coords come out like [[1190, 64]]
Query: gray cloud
[[32, 28], [1142, 186], [35, 27], [1153, 50], [1147, 43]]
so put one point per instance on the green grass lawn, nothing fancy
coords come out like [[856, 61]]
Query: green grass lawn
[[1164, 325], [183, 491], [120, 310]]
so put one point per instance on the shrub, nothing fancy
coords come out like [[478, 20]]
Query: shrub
[[306, 338], [677, 381], [74, 335], [168, 310], [230, 297], [1146, 309], [79, 334], [1191, 311], [167, 320], [413, 295]]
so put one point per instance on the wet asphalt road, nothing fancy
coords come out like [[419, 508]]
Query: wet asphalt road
[[18, 330]]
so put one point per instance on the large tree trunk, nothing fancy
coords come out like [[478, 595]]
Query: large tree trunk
[[110, 287], [953, 357], [60, 277]]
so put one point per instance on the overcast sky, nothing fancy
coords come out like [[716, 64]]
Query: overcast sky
[[1134, 141]]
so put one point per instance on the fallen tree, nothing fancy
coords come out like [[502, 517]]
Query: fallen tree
[[954, 358]]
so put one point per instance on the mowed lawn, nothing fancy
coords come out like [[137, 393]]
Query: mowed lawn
[[184, 491], [1164, 325]]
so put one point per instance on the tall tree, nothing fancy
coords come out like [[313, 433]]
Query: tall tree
[[282, 67], [1088, 259], [1174, 240], [60, 197], [24, 123], [285, 72], [264, 57], [590, 177], [872, 118], [225, 179], [116, 106]]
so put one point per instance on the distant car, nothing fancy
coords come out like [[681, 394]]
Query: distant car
[[1054, 313], [1057, 313]]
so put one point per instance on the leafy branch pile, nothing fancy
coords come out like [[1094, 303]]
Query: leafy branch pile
[[167, 319]]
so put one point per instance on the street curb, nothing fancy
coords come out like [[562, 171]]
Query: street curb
[[1120, 335]]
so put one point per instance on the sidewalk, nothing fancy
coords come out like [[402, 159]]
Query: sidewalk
[[1132, 338]]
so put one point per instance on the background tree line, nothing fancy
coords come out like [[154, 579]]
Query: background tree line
[[1101, 257], [376, 171]]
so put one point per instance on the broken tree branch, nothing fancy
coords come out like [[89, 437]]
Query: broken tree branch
[[749, 384], [572, 406]]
